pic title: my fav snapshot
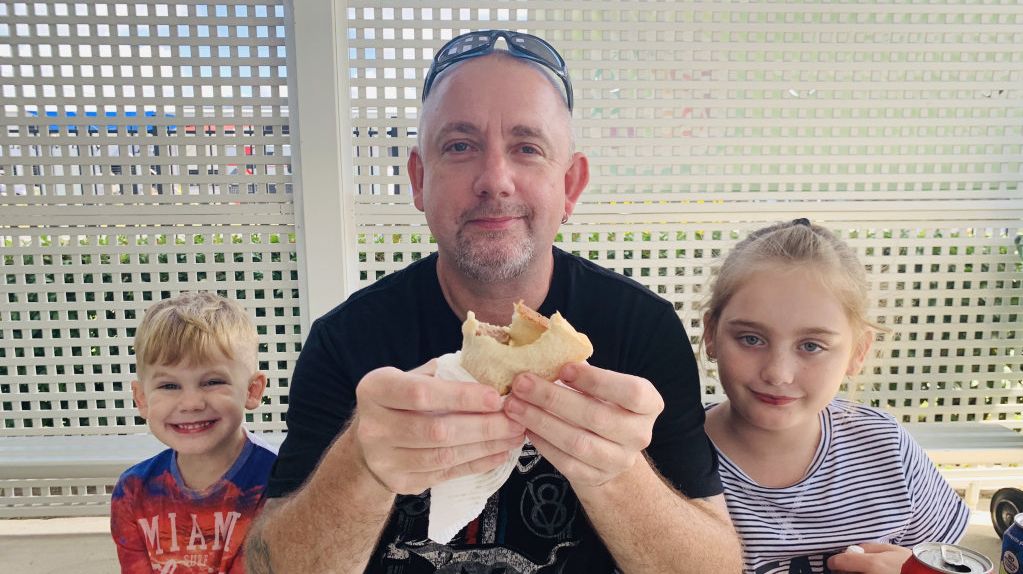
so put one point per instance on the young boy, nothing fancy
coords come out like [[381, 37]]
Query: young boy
[[187, 509]]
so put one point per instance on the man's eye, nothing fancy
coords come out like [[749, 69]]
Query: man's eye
[[458, 147], [529, 149]]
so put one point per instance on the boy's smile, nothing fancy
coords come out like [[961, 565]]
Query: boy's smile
[[188, 428]]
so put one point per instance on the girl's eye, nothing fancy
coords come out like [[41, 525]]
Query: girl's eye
[[812, 347], [749, 340]]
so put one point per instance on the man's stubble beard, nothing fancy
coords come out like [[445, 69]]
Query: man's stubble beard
[[491, 256]]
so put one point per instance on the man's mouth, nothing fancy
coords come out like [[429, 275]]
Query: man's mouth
[[494, 223]]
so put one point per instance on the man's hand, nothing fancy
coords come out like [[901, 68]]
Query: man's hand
[[875, 559], [415, 430], [593, 435]]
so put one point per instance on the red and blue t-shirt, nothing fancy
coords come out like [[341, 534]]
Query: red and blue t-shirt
[[161, 525]]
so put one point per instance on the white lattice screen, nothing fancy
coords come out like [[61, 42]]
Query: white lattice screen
[[896, 124], [145, 151]]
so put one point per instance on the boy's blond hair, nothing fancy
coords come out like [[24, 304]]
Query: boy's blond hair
[[194, 328]]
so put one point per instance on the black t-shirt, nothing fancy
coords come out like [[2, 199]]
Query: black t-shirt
[[534, 523]]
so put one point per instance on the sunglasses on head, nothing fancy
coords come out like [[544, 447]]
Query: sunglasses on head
[[481, 43]]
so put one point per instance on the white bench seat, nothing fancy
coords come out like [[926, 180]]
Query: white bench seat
[[973, 456], [73, 456], [77, 473], [44, 476], [969, 443]]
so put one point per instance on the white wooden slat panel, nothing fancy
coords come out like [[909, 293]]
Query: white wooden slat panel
[[896, 124], [162, 98], [71, 304], [952, 296], [679, 81], [145, 150]]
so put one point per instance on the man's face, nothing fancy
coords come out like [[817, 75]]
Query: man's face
[[494, 171]]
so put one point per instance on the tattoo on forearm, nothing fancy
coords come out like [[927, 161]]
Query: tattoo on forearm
[[257, 556]]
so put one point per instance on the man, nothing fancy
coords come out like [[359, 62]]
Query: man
[[370, 430]]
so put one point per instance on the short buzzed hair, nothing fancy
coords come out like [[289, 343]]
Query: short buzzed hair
[[194, 328], [554, 81]]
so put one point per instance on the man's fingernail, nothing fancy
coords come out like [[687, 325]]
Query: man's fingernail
[[524, 383], [514, 406], [492, 401], [568, 372]]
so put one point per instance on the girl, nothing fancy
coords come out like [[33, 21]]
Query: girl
[[807, 475]]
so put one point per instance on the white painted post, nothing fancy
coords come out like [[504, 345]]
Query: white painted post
[[322, 164]]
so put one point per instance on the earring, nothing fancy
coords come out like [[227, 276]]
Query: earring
[[564, 218]]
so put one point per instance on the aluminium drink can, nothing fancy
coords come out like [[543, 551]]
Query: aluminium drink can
[[935, 557], [1012, 547]]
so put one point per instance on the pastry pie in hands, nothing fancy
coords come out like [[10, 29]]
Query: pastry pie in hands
[[532, 343]]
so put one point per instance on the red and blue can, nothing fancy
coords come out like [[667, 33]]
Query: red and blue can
[[938, 558], [1012, 547]]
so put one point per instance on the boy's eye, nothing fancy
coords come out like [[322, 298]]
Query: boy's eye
[[216, 382], [167, 386]]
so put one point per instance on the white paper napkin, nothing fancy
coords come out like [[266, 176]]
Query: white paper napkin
[[454, 503]]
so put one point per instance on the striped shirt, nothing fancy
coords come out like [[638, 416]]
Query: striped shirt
[[868, 482]]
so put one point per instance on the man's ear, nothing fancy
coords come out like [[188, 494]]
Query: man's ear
[[576, 178], [140, 398], [257, 384], [708, 336], [415, 175], [859, 355]]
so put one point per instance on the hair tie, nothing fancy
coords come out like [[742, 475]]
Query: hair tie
[[801, 221]]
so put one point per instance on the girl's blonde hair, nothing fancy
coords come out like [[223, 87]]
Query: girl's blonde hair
[[194, 328], [800, 243]]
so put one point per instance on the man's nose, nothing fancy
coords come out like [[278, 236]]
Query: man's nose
[[495, 178]]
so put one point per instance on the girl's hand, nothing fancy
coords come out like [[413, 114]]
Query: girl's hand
[[875, 559]]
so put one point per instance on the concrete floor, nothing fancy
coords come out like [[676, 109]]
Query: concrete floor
[[58, 545], [84, 546]]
